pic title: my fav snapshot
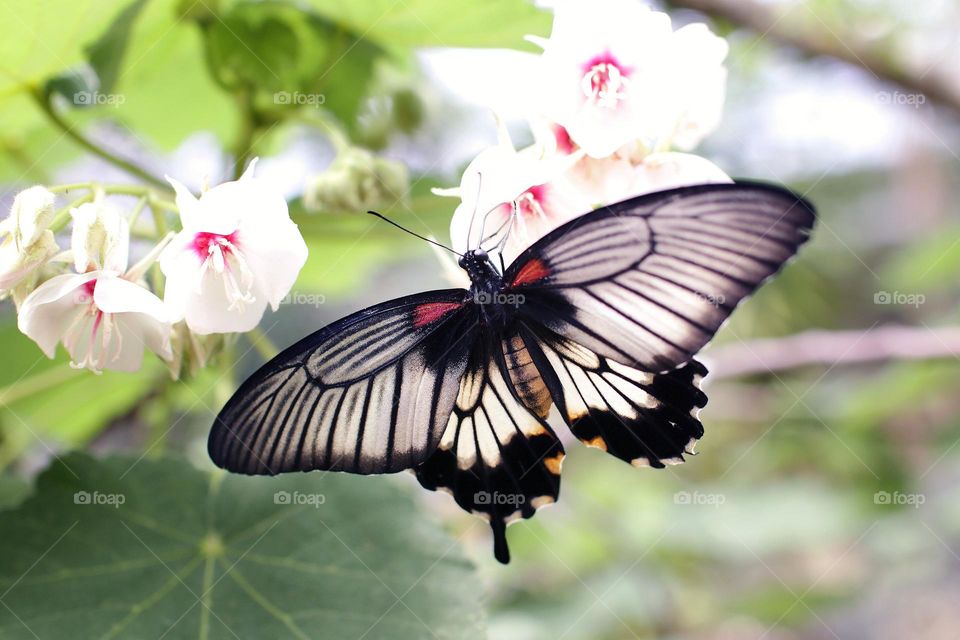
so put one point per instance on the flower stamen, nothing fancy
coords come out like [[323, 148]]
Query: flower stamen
[[604, 82], [222, 254]]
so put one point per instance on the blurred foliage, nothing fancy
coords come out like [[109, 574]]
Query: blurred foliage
[[158, 548]]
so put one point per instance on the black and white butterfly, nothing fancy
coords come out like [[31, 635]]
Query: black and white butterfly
[[601, 317]]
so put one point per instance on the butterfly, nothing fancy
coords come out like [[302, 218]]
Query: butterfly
[[600, 318]]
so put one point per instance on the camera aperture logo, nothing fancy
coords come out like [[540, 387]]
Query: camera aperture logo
[[900, 499], [300, 298], [97, 99], [500, 297], [298, 498], [901, 98], [899, 298], [699, 498], [486, 497], [714, 300], [299, 98], [95, 498]]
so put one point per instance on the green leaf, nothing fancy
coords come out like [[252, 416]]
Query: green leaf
[[438, 23], [106, 54], [12, 491], [290, 59], [46, 37], [266, 46], [127, 549]]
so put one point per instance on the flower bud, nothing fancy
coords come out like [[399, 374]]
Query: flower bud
[[357, 181], [25, 242], [101, 237], [31, 214]]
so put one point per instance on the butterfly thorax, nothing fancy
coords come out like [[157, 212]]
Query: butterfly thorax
[[486, 288]]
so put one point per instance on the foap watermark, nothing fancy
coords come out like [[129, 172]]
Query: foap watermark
[[299, 98], [299, 499], [899, 298], [902, 98], [499, 297], [99, 499], [713, 299], [495, 497], [900, 499], [304, 299], [699, 498], [95, 98]]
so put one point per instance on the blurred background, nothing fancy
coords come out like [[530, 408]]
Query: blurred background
[[825, 499]]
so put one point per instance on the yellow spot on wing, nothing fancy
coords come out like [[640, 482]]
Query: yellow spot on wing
[[597, 443], [554, 463]]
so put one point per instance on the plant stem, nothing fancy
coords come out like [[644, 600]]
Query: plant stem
[[326, 123], [62, 217], [90, 146], [146, 194], [249, 126], [262, 343]]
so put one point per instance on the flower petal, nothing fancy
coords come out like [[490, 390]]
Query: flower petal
[[210, 312], [52, 307], [275, 253], [669, 170], [114, 294]]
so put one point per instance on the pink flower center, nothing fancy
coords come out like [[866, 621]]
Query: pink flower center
[[530, 203], [565, 144], [206, 244], [222, 254], [604, 81], [93, 338], [87, 298], [88, 289]]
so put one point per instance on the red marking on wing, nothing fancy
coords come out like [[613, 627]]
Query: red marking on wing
[[534, 271], [430, 312]]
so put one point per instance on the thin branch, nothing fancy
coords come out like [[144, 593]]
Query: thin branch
[[71, 132], [832, 348], [833, 41]]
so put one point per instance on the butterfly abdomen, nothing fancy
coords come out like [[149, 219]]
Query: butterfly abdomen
[[525, 377]]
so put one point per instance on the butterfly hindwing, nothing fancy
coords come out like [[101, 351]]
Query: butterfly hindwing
[[644, 418], [649, 281], [496, 457], [371, 393]]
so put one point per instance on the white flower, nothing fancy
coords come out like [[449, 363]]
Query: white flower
[[103, 318], [101, 237], [26, 244], [519, 196], [238, 250], [669, 170], [619, 177], [614, 72]]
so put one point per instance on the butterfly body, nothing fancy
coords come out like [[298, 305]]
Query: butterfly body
[[600, 319]]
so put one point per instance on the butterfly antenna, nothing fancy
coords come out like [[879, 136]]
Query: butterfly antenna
[[503, 241], [414, 234], [496, 232], [476, 205]]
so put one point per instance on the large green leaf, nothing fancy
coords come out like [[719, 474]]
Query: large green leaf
[[439, 23], [120, 549], [45, 37]]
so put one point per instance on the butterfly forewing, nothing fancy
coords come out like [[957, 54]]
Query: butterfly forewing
[[648, 282], [371, 393]]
